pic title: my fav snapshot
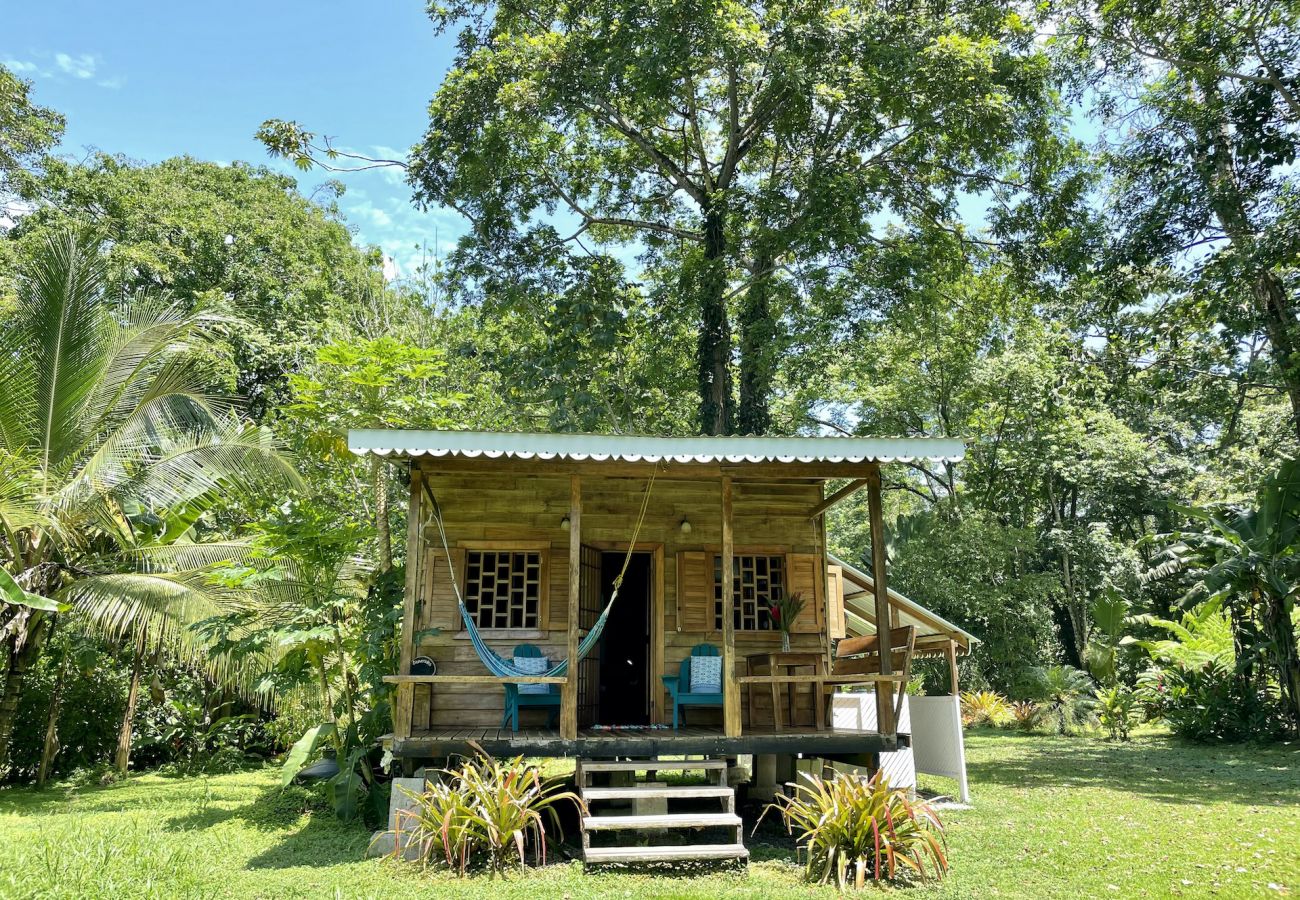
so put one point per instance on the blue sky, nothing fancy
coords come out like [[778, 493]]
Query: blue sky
[[153, 80]]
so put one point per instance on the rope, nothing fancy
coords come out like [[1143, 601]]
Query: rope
[[491, 659]]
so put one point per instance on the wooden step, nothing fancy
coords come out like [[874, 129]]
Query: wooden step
[[653, 765], [665, 854], [642, 790], [662, 820]]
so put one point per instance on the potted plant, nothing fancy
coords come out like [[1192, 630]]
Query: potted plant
[[784, 610]]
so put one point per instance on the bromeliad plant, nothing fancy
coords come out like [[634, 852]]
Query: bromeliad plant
[[487, 811], [984, 708], [851, 827], [784, 610]]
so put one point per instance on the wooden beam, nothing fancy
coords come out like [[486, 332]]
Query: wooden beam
[[885, 690], [569, 693], [843, 493], [404, 701], [730, 688], [950, 651]]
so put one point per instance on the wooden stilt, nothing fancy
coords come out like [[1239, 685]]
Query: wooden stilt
[[884, 690]]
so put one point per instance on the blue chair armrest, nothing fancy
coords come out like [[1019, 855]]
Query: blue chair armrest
[[672, 682]]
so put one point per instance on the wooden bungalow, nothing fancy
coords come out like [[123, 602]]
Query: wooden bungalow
[[532, 530]]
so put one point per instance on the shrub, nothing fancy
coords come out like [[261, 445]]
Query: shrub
[[1116, 707], [850, 826], [1067, 701], [1026, 715], [984, 708], [485, 810]]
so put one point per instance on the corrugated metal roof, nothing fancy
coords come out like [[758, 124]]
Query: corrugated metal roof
[[927, 622], [647, 448]]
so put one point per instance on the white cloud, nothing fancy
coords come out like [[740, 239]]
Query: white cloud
[[81, 66], [20, 67]]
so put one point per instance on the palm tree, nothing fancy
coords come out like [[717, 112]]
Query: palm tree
[[107, 428], [1249, 559]]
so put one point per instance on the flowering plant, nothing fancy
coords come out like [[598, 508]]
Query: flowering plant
[[784, 609]]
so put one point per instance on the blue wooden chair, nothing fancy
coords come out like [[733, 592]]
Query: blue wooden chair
[[679, 685], [515, 698]]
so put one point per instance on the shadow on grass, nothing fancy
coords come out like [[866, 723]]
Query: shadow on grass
[[1158, 767]]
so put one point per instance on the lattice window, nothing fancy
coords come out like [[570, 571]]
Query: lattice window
[[503, 588], [759, 581]]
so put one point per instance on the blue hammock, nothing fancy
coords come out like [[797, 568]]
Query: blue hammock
[[505, 668]]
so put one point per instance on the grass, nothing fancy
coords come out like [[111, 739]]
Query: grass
[[1053, 817]]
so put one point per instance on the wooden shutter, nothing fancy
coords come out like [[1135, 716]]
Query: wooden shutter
[[436, 604], [803, 575], [695, 591], [836, 627]]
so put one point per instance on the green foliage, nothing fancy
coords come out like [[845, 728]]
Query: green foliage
[[1195, 684], [1066, 698], [970, 571], [1117, 710], [984, 708], [238, 238], [1026, 715], [851, 828], [27, 133], [484, 811]]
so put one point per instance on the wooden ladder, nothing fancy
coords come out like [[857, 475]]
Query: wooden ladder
[[604, 814]]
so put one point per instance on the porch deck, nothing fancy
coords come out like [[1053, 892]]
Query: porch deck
[[590, 743]]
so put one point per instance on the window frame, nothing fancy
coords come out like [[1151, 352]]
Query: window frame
[[543, 551], [761, 614]]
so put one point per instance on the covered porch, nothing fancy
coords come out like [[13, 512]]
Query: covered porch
[[727, 518]]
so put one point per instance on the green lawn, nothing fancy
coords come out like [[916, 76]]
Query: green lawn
[[1053, 817]]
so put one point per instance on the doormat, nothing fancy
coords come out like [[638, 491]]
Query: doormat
[[630, 727]]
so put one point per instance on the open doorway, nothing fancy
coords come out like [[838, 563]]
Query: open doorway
[[624, 695]]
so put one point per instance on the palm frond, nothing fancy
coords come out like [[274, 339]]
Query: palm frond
[[231, 456], [64, 317], [164, 607]]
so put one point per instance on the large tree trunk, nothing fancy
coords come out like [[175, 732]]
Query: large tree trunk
[[1275, 308], [714, 352], [758, 351], [383, 535], [123, 759], [24, 649]]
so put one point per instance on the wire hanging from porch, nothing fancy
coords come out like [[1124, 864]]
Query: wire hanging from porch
[[504, 668]]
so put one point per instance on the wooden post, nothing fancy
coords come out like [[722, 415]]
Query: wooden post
[[404, 702], [951, 652], [730, 690], [884, 689], [569, 694]]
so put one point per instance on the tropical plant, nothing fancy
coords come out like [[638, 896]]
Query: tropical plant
[[1065, 698], [1248, 558], [851, 826], [1194, 682], [1101, 654], [784, 610], [984, 708], [1116, 709], [112, 444], [1026, 715], [485, 809]]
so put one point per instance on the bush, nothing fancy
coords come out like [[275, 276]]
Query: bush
[[1066, 698], [1026, 715], [484, 811], [1116, 708], [984, 708], [851, 826]]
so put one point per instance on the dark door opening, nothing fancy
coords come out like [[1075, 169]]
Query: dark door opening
[[625, 647]]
